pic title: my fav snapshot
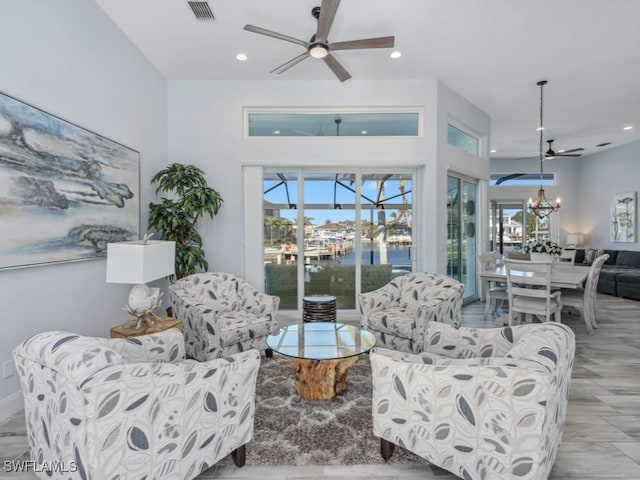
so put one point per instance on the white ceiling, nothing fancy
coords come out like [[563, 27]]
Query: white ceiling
[[490, 51]]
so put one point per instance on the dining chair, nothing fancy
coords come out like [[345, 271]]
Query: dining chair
[[529, 290], [584, 300], [495, 293], [567, 256]]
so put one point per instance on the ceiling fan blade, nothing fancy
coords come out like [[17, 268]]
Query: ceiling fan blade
[[328, 10], [568, 154], [303, 133], [378, 42], [336, 68], [511, 176], [287, 65], [279, 36], [572, 150]]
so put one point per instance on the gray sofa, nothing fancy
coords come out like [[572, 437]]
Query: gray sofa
[[620, 275]]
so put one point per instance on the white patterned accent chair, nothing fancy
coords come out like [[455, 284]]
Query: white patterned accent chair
[[398, 313], [132, 408], [222, 314], [480, 403]]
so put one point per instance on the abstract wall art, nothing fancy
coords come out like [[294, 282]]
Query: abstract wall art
[[623, 217], [65, 192]]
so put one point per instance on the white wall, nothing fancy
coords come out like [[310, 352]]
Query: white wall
[[452, 108], [585, 185], [613, 171], [67, 58], [205, 128]]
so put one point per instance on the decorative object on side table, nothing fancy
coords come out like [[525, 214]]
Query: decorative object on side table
[[543, 250], [177, 218], [572, 241], [126, 330], [139, 262]]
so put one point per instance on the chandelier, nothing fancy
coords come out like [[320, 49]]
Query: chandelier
[[541, 207]]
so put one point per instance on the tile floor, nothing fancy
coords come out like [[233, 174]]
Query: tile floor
[[602, 432]]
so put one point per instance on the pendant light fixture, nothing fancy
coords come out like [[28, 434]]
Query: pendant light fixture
[[541, 207]]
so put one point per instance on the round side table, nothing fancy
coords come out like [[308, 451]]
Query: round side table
[[319, 308]]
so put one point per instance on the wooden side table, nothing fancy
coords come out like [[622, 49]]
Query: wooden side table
[[121, 331]]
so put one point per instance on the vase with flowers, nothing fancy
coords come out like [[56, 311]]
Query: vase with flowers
[[543, 250]]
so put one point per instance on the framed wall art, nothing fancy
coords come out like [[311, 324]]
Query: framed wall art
[[623, 217], [65, 192]]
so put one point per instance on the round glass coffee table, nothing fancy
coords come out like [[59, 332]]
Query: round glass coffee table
[[321, 353]]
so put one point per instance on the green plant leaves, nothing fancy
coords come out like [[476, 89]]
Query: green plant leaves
[[176, 219]]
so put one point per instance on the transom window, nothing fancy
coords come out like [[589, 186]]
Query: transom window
[[522, 179], [333, 123], [462, 140]]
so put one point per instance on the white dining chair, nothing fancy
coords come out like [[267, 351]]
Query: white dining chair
[[567, 256], [584, 300], [529, 290], [495, 293]]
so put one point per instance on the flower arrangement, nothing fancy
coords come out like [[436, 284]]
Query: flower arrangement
[[543, 246]]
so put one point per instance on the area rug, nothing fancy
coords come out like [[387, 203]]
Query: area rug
[[290, 430]]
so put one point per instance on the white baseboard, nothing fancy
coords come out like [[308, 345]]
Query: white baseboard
[[11, 405]]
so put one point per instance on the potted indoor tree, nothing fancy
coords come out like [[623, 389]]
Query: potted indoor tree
[[177, 218]]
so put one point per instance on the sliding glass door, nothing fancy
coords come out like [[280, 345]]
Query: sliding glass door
[[335, 233], [461, 232]]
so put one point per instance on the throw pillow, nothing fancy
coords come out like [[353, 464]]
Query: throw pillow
[[591, 254]]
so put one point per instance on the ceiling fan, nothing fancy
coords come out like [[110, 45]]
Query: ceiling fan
[[319, 46], [550, 154]]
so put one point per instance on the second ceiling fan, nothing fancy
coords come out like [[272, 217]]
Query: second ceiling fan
[[550, 154], [319, 46]]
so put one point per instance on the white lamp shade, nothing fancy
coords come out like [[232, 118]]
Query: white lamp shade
[[572, 239], [139, 262]]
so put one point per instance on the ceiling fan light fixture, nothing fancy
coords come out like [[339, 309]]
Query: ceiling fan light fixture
[[318, 50]]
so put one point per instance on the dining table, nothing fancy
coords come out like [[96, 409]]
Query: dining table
[[563, 275]]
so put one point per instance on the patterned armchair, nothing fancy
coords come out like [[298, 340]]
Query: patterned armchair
[[132, 408], [398, 313], [222, 314], [482, 403]]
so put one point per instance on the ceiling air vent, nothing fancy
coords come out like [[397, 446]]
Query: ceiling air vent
[[201, 10]]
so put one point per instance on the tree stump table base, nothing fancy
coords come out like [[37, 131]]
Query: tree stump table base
[[321, 379]]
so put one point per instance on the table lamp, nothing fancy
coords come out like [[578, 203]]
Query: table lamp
[[139, 262], [572, 241]]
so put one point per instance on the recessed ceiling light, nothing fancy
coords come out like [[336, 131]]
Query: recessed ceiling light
[[396, 54], [276, 132], [242, 57], [628, 127], [561, 151], [492, 151], [364, 132]]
